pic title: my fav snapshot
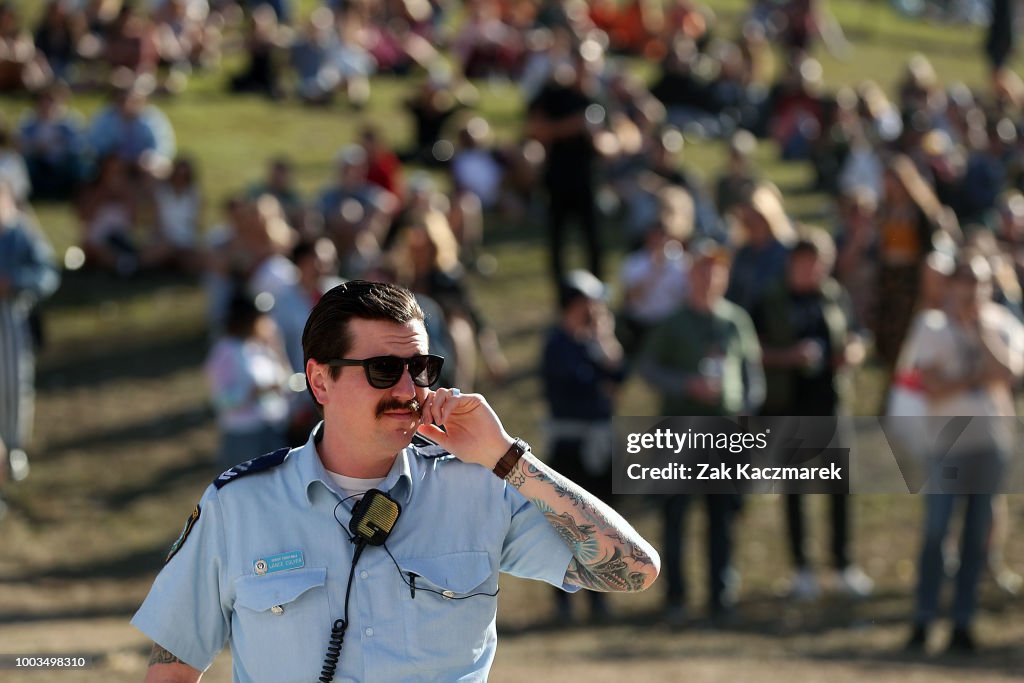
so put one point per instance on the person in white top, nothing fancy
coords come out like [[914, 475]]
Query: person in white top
[[655, 280], [248, 376], [179, 208], [969, 356]]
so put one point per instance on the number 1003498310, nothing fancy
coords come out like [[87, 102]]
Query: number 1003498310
[[43, 662]]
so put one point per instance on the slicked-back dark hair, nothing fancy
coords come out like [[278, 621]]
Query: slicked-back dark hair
[[326, 334]]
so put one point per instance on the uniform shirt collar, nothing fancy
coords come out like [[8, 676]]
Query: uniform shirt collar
[[313, 475]]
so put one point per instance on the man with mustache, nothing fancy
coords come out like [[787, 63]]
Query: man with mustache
[[265, 559]]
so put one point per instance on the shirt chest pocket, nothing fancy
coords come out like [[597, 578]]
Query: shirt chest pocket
[[281, 624], [452, 602]]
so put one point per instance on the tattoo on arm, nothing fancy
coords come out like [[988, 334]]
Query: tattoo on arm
[[606, 554], [515, 477], [161, 656]]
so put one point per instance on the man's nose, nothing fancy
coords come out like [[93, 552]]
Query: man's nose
[[404, 389]]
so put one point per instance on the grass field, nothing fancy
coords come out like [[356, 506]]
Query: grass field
[[125, 440]]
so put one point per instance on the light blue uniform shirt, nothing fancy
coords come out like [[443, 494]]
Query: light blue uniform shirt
[[459, 526]]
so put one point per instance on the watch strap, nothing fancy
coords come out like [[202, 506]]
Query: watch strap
[[516, 451]]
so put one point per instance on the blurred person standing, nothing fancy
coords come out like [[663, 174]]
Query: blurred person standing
[[247, 372], [857, 247], [809, 342], [909, 216], [655, 280], [764, 235], [969, 356], [704, 360], [271, 276], [581, 368], [558, 119], [27, 275]]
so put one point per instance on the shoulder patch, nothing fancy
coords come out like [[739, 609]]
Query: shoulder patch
[[186, 530], [426, 448], [264, 462]]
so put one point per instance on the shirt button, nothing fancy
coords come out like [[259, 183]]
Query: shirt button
[[277, 609], [368, 631], [448, 594], [363, 574]]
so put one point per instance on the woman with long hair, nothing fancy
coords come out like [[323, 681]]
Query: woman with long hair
[[911, 223]]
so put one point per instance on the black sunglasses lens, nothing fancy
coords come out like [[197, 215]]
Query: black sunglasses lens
[[384, 372], [425, 369]]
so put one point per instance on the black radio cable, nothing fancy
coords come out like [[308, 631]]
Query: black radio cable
[[338, 629], [333, 655]]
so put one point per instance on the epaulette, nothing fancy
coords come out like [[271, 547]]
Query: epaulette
[[426, 448], [263, 462]]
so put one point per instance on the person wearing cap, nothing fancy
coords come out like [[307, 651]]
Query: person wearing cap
[[704, 359], [270, 560], [969, 356], [581, 370]]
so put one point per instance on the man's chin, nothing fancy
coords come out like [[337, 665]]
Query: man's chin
[[401, 425]]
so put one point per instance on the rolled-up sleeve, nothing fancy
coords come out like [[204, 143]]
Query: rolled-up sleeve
[[532, 548]]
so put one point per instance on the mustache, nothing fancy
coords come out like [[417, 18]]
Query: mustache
[[392, 403]]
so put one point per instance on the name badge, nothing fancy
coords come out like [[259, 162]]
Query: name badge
[[279, 563]]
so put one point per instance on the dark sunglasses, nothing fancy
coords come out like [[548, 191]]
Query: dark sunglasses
[[383, 372]]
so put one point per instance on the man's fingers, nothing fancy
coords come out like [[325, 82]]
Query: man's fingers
[[425, 408], [433, 433]]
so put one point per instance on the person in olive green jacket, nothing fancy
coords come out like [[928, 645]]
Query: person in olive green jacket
[[703, 360]]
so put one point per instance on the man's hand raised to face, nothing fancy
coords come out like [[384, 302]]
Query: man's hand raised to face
[[472, 431]]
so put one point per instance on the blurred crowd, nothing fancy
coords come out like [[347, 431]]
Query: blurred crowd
[[726, 304]]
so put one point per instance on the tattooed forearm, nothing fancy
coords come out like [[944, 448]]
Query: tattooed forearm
[[608, 554], [161, 656], [515, 477]]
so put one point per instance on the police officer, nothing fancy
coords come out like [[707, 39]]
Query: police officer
[[266, 560]]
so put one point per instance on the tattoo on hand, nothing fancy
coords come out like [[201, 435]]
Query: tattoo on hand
[[161, 656]]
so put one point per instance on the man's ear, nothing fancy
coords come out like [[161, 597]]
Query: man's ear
[[317, 376]]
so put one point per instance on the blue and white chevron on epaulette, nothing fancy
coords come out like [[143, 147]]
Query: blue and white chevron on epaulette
[[428, 449], [260, 464]]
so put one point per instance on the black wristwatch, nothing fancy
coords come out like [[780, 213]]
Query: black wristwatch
[[518, 448]]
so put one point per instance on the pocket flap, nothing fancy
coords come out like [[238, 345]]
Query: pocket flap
[[457, 572], [260, 593]]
